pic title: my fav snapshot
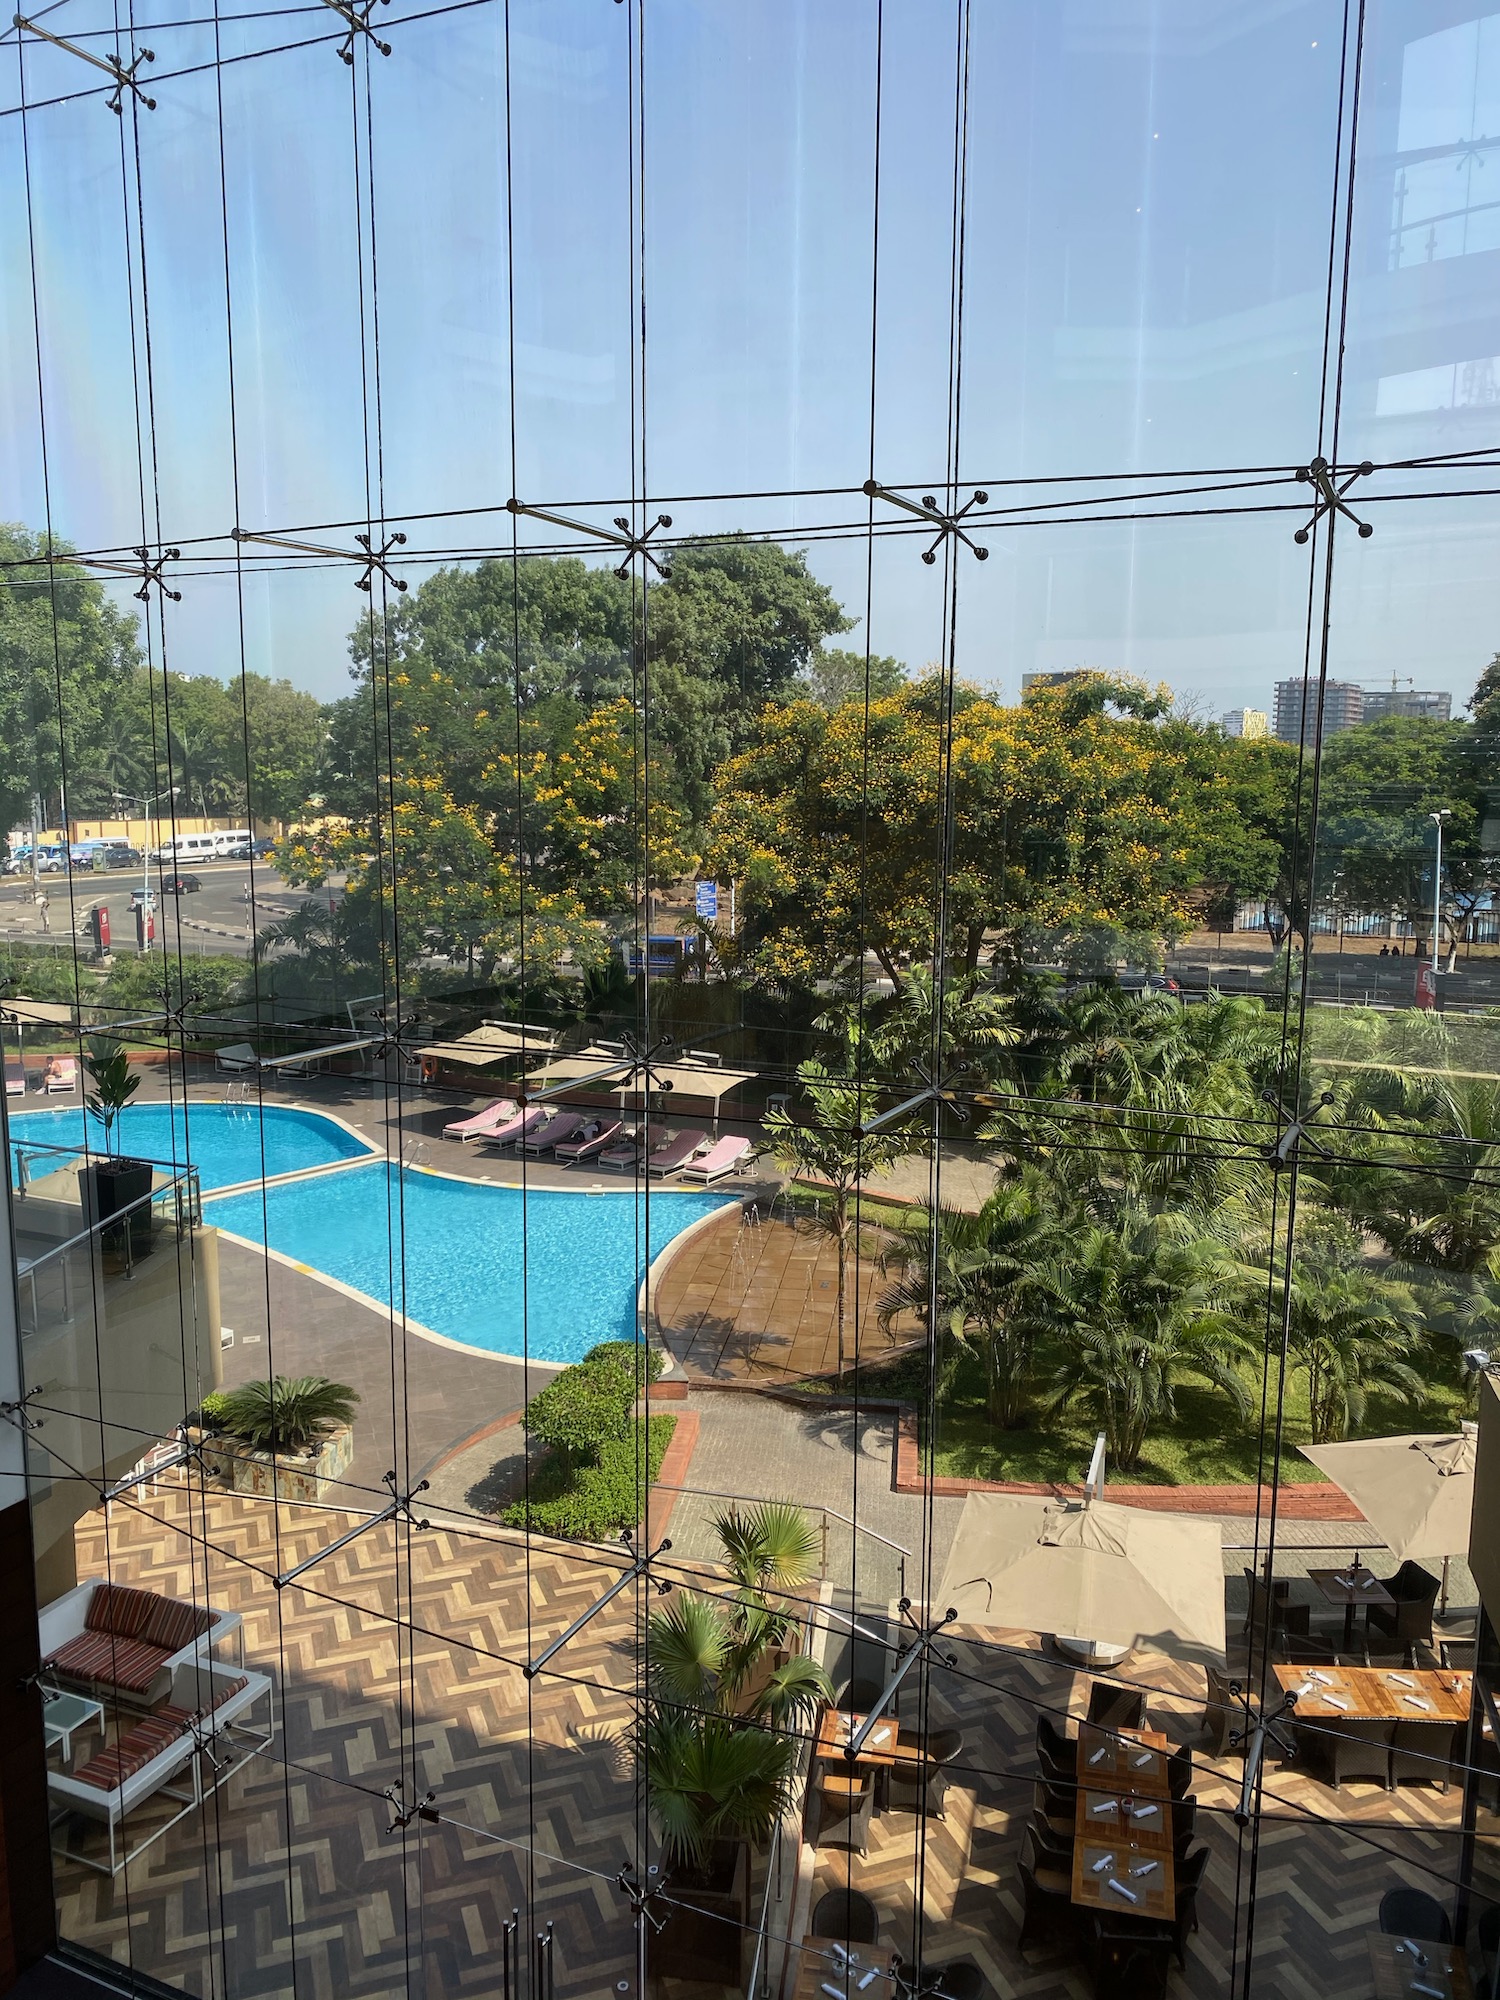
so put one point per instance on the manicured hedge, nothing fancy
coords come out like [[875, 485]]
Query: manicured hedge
[[593, 1502], [587, 1406]]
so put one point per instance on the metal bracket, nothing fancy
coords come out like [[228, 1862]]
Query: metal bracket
[[637, 1061], [627, 539], [937, 1090], [398, 1508], [123, 74], [1320, 476], [356, 17], [371, 562], [641, 1897], [17, 1413], [403, 1814], [946, 524], [1295, 1135], [640, 1567], [1254, 1741], [922, 1645]]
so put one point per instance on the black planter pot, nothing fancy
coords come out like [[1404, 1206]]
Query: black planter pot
[[703, 1937], [108, 1186]]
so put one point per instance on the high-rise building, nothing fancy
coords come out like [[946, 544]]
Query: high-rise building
[[1057, 679], [1246, 722], [1419, 704], [1343, 707]]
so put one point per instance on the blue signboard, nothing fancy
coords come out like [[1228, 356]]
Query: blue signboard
[[708, 901]]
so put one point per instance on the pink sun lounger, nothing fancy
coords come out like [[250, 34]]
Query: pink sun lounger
[[515, 1128], [592, 1139], [561, 1125], [675, 1154], [719, 1160], [482, 1123]]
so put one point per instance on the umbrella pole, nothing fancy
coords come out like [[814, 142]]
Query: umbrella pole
[[1443, 1595]]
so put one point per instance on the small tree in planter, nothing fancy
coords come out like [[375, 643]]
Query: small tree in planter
[[290, 1435], [112, 1184], [723, 1691]]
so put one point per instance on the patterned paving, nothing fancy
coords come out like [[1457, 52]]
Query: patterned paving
[[759, 1302], [1319, 1882]]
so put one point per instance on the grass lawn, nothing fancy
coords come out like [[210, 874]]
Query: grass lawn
[[1207, 1446]]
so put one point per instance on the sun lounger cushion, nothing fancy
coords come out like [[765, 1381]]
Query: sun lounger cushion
[[104, 1657], [173, 1624], [184, 1716], [115, 1607], [135, 1749]]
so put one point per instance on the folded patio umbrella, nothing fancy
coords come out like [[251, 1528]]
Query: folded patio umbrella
[[1417, 1493], [1117, 1575]]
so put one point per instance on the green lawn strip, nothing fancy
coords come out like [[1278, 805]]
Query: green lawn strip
[[1206, 1446], [593, 1502]]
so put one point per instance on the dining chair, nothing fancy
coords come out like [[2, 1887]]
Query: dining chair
[[1403, 1626], [1422, 1753], [1048, 1913], [1057, 1805], [1055, 1749], [960, 1979], [858, 1697], [847, 1916], [1187, 1876], [1412, 1913], [1180, 1772], [1115, 1707], [1184, 1820], [1054, 1848], [844, 1806], [1344, 1750], [1132, 1959], [920, 1786]]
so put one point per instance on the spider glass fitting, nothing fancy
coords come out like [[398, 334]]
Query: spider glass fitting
[[398, 1508], [936, 1090], [147, 569], [627, 539], [929, 510], [122, 73], [1254, 1741], [637, 1061], [1296, 1133], [923, 1646], [642, 1897], [1320, 476], [402, 1814], [356, 18], [371, 562], [640, 1567]]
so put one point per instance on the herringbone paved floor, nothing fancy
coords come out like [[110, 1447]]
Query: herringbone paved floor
[[291, 1883], [1319, 1882]]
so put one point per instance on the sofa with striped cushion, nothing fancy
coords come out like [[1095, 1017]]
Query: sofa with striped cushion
[[114, 1639]]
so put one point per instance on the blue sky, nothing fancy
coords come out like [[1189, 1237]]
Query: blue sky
[[1146, 248]]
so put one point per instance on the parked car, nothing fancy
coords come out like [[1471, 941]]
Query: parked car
[[259, 849], [143, 899], [118, 855], [180, 885]]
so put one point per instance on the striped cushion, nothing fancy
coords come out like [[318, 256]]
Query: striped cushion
[[99, 1656], [114, 1607], [173, 1624], [184, 1716], [109, 1770]]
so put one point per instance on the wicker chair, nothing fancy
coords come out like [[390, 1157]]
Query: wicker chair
[[1049, 1915], [846, 1915], [1348, 1750], [842, 1809], [1412, 1913], [1114, 1707], [1188, 1874], [1403, 1626], [1422, 1753], [1132, 1959], [1056, 1806], [1057, 1753], [920, 1786]]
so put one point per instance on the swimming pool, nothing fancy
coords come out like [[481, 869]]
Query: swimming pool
[[512, 1271], [227, 1143]]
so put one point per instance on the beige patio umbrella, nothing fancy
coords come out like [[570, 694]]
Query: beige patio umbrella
[[1120, 1576], [1416, 1492]]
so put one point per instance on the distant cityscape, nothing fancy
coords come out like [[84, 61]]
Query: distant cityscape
[[1345, 705]]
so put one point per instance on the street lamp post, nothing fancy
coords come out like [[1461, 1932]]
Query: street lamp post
[[1437, 819], [146, 804]]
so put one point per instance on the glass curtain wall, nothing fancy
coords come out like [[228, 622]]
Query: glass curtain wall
[[750, 767]]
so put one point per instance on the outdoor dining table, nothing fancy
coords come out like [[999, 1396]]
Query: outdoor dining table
[[1122, 1854], [1407, 1966], [1350, 1587], [1378, 1694], [821, 1975], [837, 1729], [1135, 1759]]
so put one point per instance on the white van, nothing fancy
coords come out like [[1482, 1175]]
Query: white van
[[238, 840], [188, 847]]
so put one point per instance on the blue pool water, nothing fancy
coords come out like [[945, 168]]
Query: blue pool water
[[511, 1271], [227, 1143]]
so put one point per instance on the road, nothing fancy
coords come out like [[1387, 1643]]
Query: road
[[220, 917]]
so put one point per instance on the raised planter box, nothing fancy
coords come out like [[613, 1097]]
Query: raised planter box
[[280, 1475], [704, 1937]]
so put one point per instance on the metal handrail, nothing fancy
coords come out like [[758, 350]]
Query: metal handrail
[[182, 1183], [808, 1506]]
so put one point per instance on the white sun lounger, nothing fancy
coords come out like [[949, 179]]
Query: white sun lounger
[[620, 1158], [482, 1123], [238, 1057], [676, 1153], [720, 1160], [592, 1139], [516, 1128], [64, 1077], [561, 1125], [15, 1077]]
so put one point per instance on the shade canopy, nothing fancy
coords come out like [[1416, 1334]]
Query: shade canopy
[[1119, 1575], [492, 1043], [606, 1070], [39, 1013], [1416, 1492]]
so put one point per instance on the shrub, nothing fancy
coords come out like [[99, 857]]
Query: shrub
[[212, 1414], [288, 1413], [593, 1502], [588, 1406]]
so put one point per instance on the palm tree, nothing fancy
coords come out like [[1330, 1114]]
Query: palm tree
[[1347, 1332], [1143, 1306], [983, 1273], [1449, 1216]]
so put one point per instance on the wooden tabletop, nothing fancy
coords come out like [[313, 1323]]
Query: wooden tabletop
[[1378, 1694], [1134, 1759], [1098, 1864], [1342, 1586], [838, 1726], [1393, 1961], [1133, 1822]]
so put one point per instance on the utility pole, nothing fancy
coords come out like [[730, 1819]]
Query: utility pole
[[1437, 819]]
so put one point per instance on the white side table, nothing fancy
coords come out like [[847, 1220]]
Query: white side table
[[62, 1714]]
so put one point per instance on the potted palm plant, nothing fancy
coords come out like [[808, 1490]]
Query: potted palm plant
[[290, 1437], [113, 1184], [726, 1688]]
